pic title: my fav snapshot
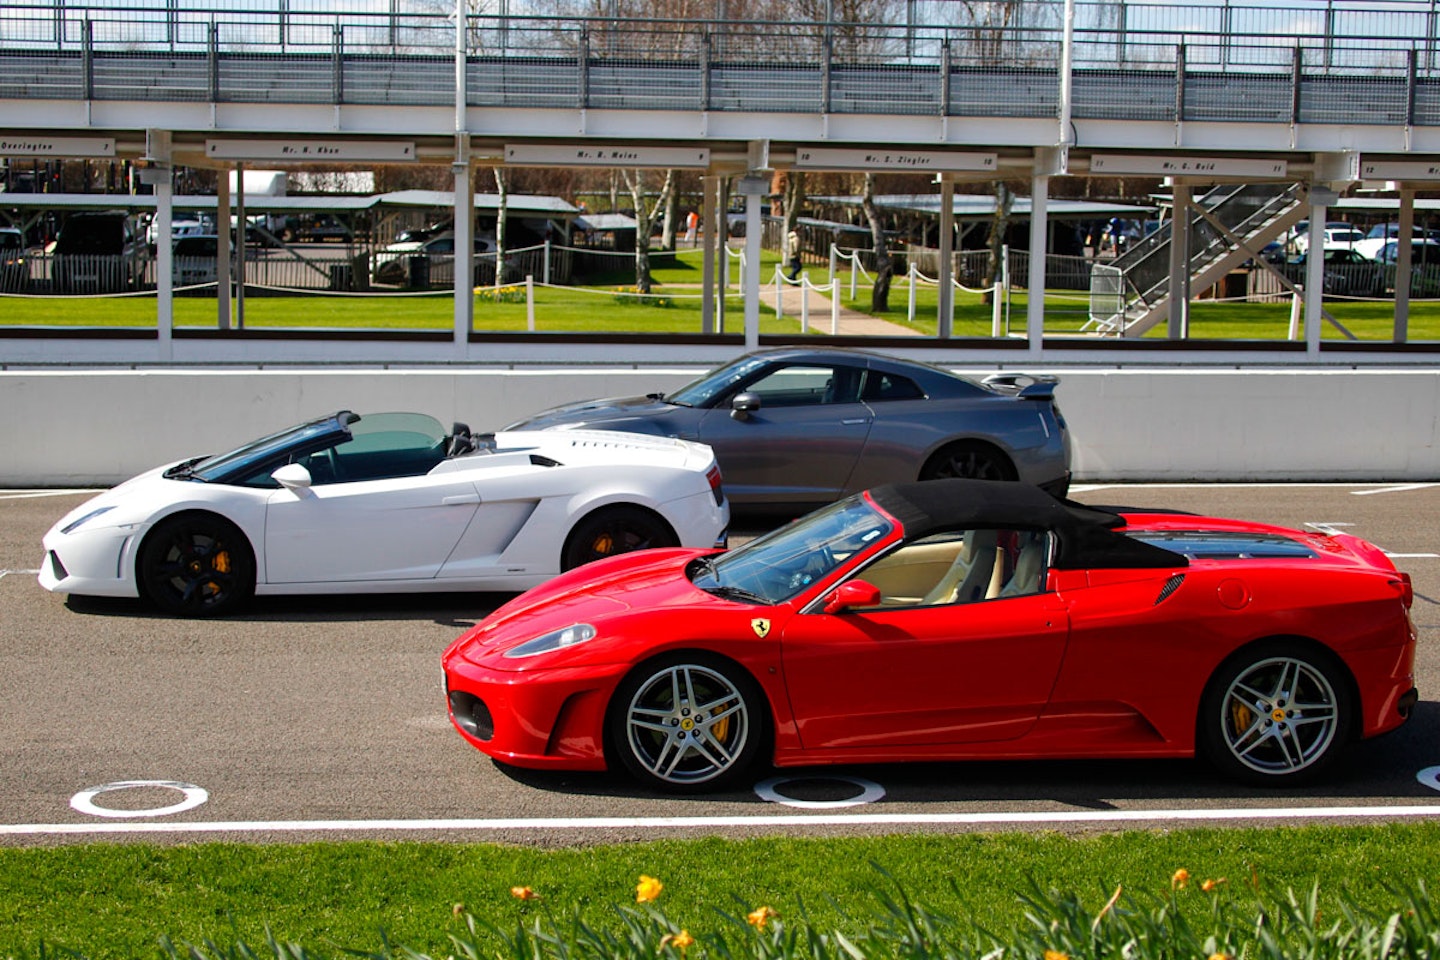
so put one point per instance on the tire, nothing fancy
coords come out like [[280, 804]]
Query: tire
[[611, 531], [687, 723], [1278, 714], [196, 565], [968, 460]]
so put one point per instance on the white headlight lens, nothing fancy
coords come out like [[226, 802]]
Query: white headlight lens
[[556, 640], [85, 519]]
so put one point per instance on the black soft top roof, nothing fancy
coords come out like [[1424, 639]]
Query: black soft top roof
[[1087, 537]]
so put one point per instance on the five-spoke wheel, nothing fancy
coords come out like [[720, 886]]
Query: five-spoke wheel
[[614, 530], [687, 722], [1279, 714], [196, 565]]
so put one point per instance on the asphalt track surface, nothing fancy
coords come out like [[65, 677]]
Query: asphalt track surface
[[306, 718]]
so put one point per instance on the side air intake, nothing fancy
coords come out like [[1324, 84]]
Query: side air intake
[[1170, 587]]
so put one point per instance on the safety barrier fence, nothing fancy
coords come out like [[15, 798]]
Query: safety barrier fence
[[1307, 61]]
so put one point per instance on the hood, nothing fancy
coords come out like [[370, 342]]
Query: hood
[[598, 593], [125, 499], [608, 411]]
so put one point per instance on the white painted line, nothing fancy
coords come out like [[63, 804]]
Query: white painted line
[[31, 494], [1276, 485], [1412, 556], [6, 573], [691, 823], [1402, 488]]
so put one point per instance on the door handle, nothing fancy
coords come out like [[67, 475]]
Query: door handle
[[851, 421], [460, 500]]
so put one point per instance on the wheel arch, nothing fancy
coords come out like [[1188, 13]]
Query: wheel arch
[[680, 652], [1346, 675], [984, 443], [602, 507], [138, 554]]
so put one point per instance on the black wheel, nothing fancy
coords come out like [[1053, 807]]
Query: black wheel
[[611, 531], [196, 565], [687, 723], [969, 461], [1279, 714]]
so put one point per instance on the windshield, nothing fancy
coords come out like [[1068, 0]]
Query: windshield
[[783, 563], [224, 465], [702, 392]]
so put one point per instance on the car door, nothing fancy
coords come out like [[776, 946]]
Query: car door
[[801, 444], [398, 528], [921, 671]]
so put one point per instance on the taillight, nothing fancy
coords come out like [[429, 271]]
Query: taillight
[[713, 475], [1407, 589]]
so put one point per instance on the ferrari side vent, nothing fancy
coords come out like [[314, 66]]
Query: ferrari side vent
[[543, 461], [1170, 587]]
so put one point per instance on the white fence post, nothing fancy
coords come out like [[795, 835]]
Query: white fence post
[[910, 312], [546, 274], [804, 304], [530, 302], [854, 272], [834, 257], [1294, 316], [779, 293], [997, 321], [835, 308]]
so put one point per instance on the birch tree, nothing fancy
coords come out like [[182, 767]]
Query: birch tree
[[645, 216]]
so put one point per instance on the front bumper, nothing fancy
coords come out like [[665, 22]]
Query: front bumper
[[541, 719], [98, 562]]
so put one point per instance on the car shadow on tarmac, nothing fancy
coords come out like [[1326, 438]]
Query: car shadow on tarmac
[[1378, 771], [460, 610]]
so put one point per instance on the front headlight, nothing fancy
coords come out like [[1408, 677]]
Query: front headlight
[[85, 519], [556, 640]]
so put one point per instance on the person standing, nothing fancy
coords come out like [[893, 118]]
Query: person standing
[[792, 255], [692, 226]]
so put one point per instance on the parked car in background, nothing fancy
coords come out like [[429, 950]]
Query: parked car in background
[[14, 271], [194, 259], [100, 252], [944, 621], [1424, 265], [1347, 273], [437, 253], [799, 426], [1376, 237], [385, 503], [1338, 233]]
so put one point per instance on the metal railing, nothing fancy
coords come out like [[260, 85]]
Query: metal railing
[[1310, 61]]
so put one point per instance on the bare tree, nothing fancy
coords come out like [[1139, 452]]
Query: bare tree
[[645, 216], [884, 264], [999, 226], [502, 188]]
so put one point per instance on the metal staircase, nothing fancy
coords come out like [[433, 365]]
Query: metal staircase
[[1131, 294]]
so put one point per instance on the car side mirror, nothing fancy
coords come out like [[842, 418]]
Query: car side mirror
[[852, 593], [292, 476], [744, 404]]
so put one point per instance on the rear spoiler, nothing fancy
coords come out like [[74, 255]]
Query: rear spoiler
[[1027, 386]]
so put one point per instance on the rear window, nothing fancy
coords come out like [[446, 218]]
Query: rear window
[[1213, 545], [10, 241]]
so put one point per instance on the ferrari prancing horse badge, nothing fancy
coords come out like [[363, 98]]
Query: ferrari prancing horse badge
[[760, 626]]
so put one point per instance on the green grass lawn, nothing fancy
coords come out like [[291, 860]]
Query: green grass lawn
[[115, 901], [609, 305]]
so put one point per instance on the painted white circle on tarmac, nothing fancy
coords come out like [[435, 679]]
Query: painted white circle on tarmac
[[769, 790], [1430, 776], [84, 801]]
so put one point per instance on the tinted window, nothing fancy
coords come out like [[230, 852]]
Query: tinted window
[[890, 386]]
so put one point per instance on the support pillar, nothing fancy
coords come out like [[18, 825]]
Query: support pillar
[[158, 174], [945, 321], [711, 191], [464, 283], [1179, 324], [223, 243], [752, 188], [1320, 199], [1404, 266], [1035, 284]]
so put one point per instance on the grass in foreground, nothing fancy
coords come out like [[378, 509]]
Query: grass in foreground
[[115, 902]]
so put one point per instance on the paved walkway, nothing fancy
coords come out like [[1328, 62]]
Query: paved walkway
[[852, 322]]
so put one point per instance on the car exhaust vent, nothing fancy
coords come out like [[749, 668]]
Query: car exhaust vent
[[1170, 587], [541, 461], [56, 567]]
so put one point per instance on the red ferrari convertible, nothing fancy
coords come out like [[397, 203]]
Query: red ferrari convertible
[[949, 620]]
